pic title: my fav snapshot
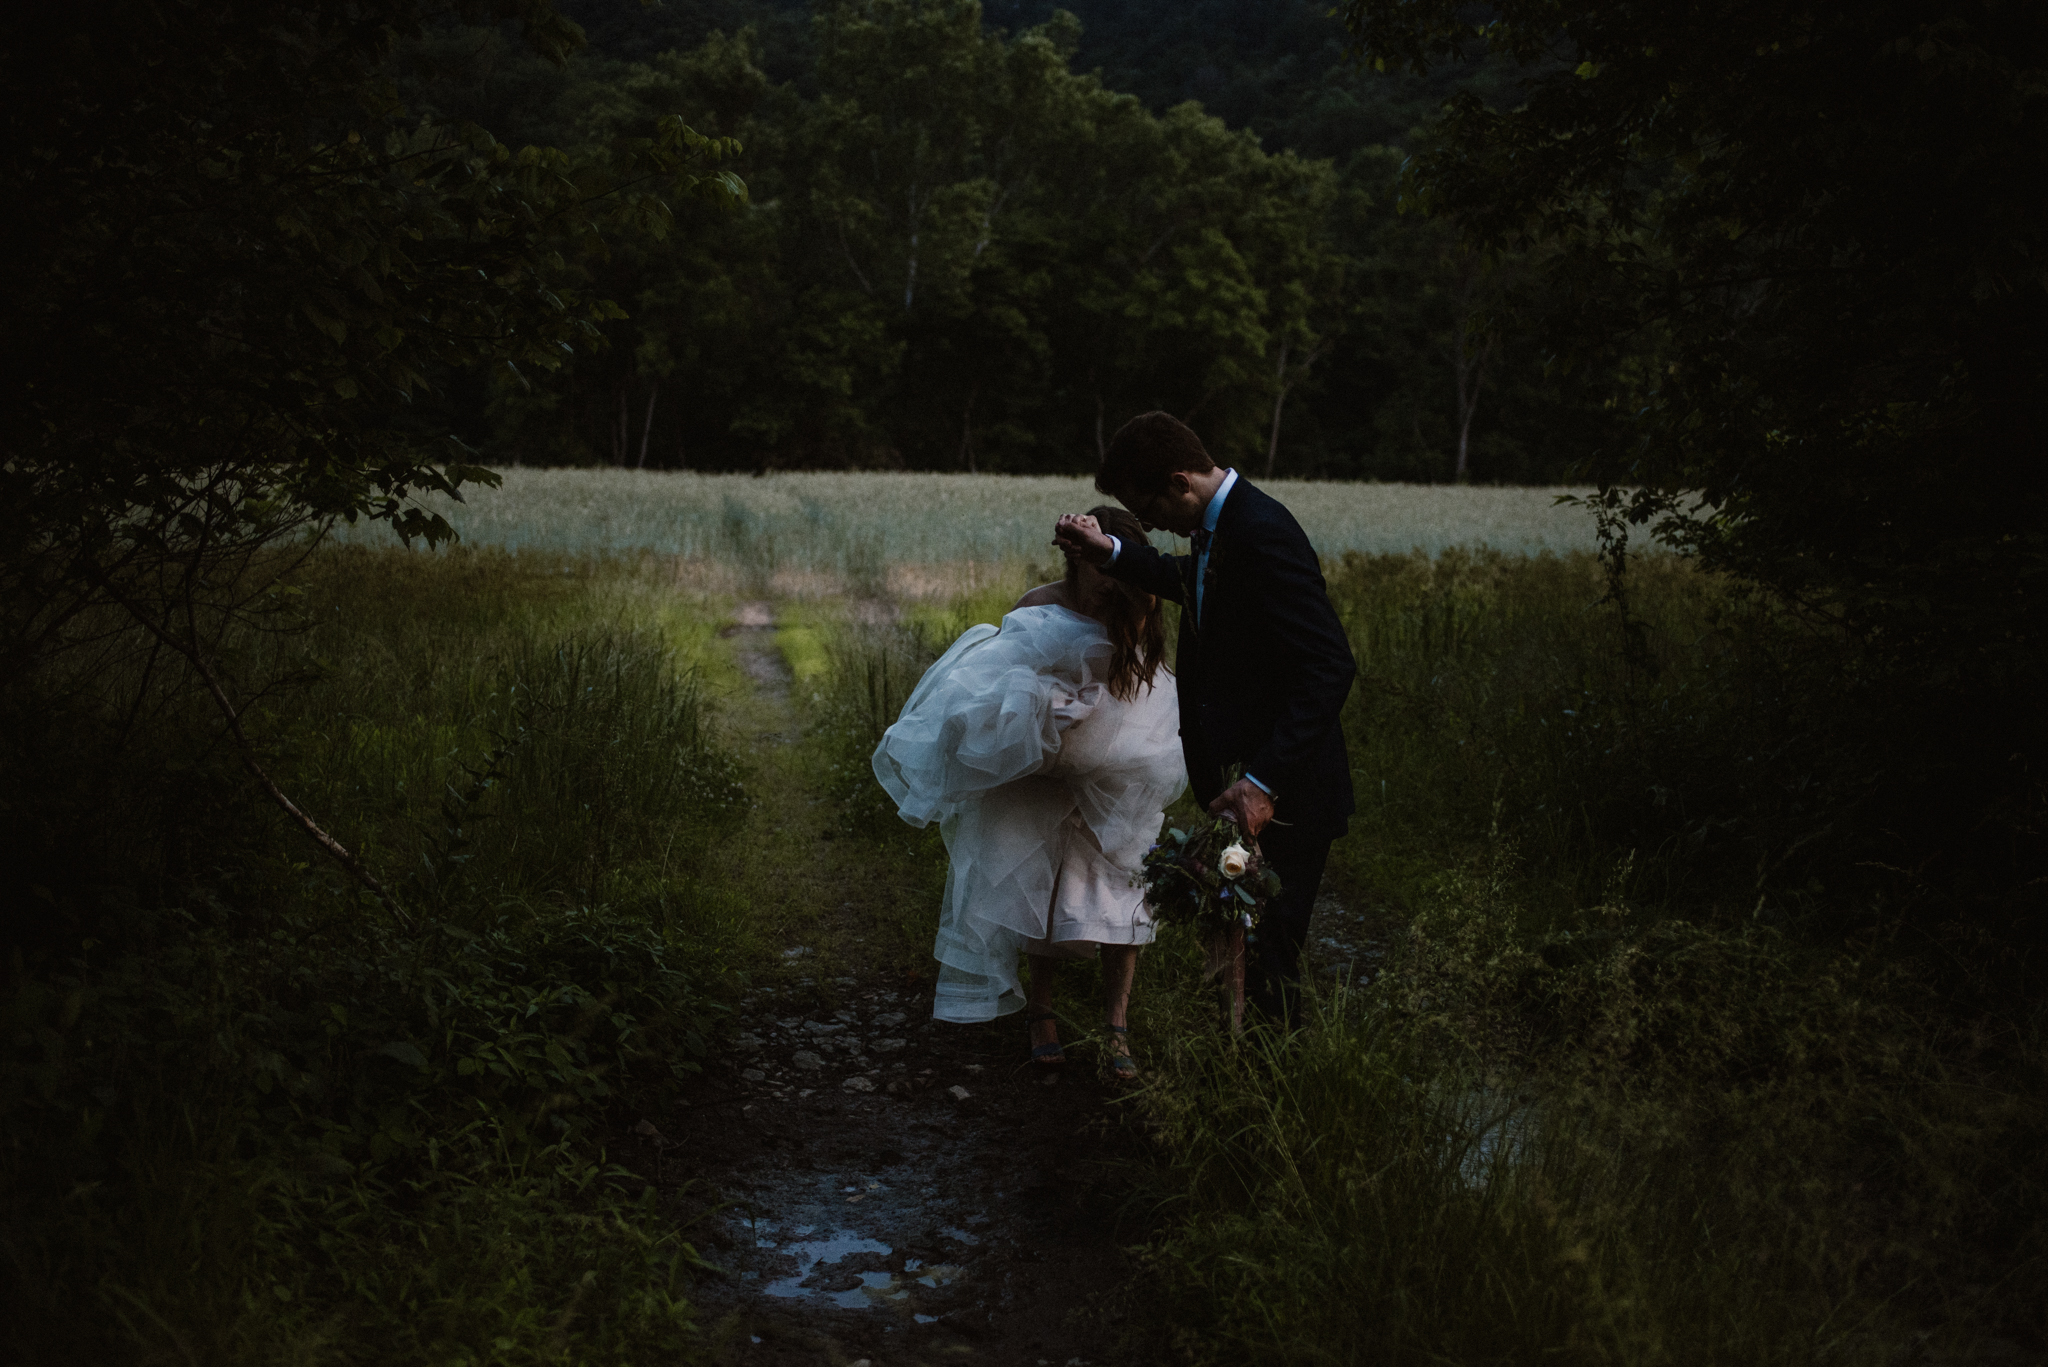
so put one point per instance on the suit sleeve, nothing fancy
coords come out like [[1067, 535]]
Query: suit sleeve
[[1315, 669], [1143, 566]]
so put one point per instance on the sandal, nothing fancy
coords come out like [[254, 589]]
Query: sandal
[[1046, 1055], [1122, 1066]]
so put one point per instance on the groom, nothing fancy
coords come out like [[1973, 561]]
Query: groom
[[1263, 665]]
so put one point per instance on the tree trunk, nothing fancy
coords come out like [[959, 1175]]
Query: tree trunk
[[647, 428], [1463, 370], [619, 430], [1471, 373], [1467, 365], [967, 431], [915, 205], [1279, 401], [1100, 449]]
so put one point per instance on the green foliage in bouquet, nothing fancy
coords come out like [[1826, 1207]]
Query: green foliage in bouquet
[[1211, 877]]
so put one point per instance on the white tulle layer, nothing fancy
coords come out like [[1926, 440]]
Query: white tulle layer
[[1048, 792]]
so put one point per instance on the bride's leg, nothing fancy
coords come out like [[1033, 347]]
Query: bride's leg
[[1119, 967], [1045, 971], [1045, 1031]]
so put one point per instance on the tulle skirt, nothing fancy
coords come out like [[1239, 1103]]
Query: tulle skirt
[[1047, 790]]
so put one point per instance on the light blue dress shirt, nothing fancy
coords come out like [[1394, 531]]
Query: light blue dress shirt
[[1209, 516]]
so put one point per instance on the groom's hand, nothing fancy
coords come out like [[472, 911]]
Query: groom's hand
[[1247, 803], [1080, 537]]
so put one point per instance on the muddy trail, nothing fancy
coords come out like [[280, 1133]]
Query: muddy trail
[[872, 1185], [904, 1193]]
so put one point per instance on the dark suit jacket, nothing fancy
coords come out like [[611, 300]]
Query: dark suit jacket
[[1264, 675]]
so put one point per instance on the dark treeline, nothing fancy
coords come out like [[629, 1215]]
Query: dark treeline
[[979, 238], [339, 919]]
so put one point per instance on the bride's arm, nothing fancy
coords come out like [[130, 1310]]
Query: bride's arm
[[1051, 595], [1135, 562]]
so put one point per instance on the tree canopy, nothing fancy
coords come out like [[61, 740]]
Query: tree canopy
[[250, 280], [245, 267], [1823, 224], [1802, 248], [966, 252]]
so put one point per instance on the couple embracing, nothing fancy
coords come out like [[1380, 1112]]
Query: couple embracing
[[1048, 748]]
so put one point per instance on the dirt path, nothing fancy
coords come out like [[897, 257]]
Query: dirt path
[[875, 1185]]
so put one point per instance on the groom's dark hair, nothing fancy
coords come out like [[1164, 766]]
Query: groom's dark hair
[[1146, 450]]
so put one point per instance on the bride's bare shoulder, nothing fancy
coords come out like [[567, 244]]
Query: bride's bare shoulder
[[1053, 595]]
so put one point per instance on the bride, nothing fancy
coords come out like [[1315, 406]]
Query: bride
[[1047, 750]]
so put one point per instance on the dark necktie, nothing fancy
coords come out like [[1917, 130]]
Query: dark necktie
[[1199, 539]]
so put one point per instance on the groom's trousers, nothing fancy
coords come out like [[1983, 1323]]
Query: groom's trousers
[[1274, 979]]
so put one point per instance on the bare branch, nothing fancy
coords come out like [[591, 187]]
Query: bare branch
[[334, 848]]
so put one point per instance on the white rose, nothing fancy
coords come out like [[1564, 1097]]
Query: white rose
[[1235, 861]]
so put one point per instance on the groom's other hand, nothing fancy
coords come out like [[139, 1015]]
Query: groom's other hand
[[1080, 537], [1247, 803]]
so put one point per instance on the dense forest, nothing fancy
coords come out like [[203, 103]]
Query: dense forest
[[980, 238], [364, 908]]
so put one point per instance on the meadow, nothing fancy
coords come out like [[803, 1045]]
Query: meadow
[[811, 533], [1612, 1092], [1629, 1083]]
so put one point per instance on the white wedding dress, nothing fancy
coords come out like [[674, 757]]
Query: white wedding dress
[[1048, 791]]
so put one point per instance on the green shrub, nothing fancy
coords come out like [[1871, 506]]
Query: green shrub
[[384, 1099], [1647, 1071], [248, 1114], [1352, 1196]]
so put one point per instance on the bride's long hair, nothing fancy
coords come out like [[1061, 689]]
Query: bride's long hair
[[1137, 636]]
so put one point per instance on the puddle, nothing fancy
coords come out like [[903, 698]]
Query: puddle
[[875, 1289], [1497, 1137], [814, 1254]]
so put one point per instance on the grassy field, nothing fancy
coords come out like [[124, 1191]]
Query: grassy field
[[916, 534], [1612, 1096], [1616, 1094]]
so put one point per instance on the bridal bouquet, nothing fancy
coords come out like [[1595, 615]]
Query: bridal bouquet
[[1210, 877]]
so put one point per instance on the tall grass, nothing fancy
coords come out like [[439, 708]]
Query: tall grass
[[1504, 688], [1630, 1083], [1724, 1147], [920, 534], [1352, 1195], [1618, 1092], [250, 1115], [544, 717]]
